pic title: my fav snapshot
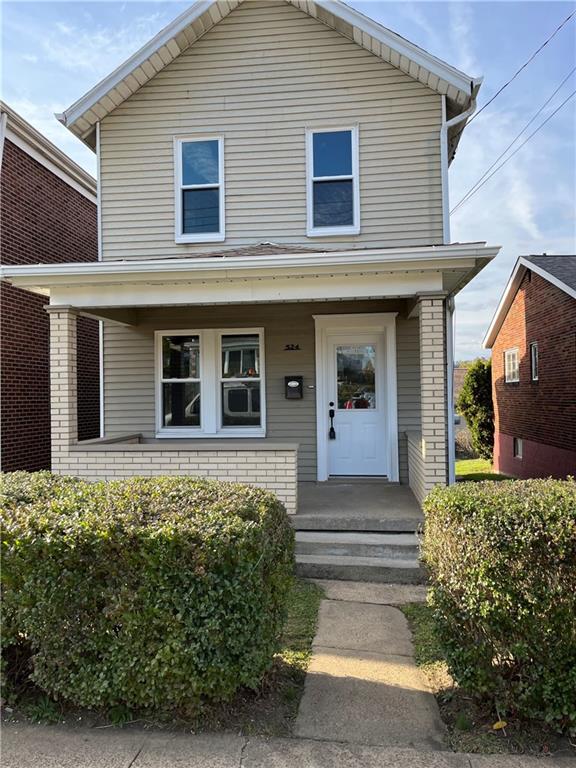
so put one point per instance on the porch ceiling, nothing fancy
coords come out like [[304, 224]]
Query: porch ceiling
[[358, 274]]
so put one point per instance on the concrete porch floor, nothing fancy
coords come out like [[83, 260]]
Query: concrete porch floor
[[357, 505]]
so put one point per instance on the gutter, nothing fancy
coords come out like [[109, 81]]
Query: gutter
[[451, 457]]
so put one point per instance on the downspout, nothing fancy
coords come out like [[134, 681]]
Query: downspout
[[445, 160], [99, 235], [451, 453]]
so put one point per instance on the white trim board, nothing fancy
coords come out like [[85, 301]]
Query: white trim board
[[384, 322], [190, 26], [515, 280]]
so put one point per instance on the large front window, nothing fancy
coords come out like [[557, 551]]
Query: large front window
[[210, 383], [199, 190], [333, 184]]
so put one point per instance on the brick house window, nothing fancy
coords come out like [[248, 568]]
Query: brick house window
[[534, 361], [511, 366], [517, 447]]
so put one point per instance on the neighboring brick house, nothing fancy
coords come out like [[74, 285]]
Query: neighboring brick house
[[533, 342], [48, 215]]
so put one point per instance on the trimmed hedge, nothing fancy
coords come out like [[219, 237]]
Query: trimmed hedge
[[502, 562], [153, 593]]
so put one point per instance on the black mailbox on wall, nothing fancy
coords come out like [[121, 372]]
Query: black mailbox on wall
[[293, 387]]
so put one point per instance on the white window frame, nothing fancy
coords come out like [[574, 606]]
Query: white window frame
[[517, 448], [346, 229], [508, 376], [210, 385], [197, 237], [534, 362]]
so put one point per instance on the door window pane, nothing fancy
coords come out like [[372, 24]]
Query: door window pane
[[241, 403], [356, 368], [240, 356], [332, 153], [180, 357], [181, 404], [200, 162], [200, 210], [333, 203]]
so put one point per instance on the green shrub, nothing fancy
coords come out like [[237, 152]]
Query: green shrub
[[475, 404], [147, 593], [502, 563]]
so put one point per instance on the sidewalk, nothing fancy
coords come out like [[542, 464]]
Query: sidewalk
[[365, 705], [37, 746]]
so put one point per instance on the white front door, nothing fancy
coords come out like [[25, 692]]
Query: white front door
[[356, 398]]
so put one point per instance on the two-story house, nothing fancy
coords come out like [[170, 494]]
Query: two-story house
[[276, 276], [47, 216], [533, 341]]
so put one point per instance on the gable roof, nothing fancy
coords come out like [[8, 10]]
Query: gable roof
[[558, 270], [19, 132], [82, 116]]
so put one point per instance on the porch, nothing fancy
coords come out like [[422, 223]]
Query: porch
[[201, 359]]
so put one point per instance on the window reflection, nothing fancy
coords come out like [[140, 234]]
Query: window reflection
[[356, 367], [241, 356]]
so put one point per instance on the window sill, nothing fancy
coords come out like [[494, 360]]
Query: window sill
[[204, 238], [333, 231], [223, 435]]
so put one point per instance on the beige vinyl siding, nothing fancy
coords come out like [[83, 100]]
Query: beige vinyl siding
[[129, 368], [260, 78]]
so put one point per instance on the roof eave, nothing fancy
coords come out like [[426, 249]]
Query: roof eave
[[462, 85]]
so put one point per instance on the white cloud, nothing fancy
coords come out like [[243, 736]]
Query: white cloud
[[509, 211], [99, 49], [30, 57], [41, 116], [461, 26]]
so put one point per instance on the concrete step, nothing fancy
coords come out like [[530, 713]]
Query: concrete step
[[396, 546], [355, 522], [383, 570]]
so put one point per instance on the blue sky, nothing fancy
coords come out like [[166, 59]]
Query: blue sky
[[53, 52]]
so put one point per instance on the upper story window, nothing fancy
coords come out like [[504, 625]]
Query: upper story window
[[333, 189], [511, 366], [210, 382], [534, 361], [199, 188]]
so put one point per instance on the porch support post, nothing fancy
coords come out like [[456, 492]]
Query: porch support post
[[433, 393], [63, 383]]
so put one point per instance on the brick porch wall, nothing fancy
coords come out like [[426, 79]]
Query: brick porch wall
[[271, 466], [42, 220]]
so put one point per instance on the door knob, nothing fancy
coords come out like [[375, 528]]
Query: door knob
[[331, 431]]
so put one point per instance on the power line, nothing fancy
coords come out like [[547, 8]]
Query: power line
[[525, 128], [515, 75], [526, 140]]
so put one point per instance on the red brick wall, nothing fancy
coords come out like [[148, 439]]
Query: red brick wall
[[542, 413], [42, 220]]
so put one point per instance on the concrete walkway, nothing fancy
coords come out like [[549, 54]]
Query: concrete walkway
[[363, 686], [38, 746], [364, 706]]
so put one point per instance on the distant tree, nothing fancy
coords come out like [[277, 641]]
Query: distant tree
[[475, 404]]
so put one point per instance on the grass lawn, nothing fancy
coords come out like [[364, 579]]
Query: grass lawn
[[269, 711], [476, 469], [469, 723]]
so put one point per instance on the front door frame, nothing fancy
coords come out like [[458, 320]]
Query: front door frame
[[380, 322]]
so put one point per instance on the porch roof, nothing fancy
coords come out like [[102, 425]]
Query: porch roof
[[269, 276]]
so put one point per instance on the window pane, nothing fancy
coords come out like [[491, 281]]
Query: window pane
[[241, 404], [180, 357], [200, 210], [241, 355], [333, 204], [356, 368], [181, 404], [332, 153], [200, 162]]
